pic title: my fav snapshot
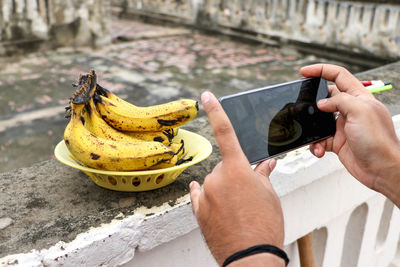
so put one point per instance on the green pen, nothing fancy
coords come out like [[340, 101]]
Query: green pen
[[380, 88]]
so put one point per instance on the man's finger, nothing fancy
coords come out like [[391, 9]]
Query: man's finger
[[318, 149], [195, 191], [344, 80], [266, 167], [333, 90], [344, 103], [223, 131]]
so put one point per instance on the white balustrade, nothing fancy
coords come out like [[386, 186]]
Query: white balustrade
[[348, 25]]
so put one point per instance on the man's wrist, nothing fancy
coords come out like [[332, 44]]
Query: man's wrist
[[257, 249], [388, 181], [261, 259]]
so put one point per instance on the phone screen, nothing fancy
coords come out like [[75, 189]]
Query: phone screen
[[276, 119]]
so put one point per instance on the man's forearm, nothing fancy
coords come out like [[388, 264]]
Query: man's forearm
[[388, 182], [390, 187]]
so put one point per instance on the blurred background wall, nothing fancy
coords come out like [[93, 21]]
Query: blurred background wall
[[27, 25], [362, 30]]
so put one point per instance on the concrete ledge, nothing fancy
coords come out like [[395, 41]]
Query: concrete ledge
[[49, 202]]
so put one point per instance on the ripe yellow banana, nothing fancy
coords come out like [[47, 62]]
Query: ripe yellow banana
[[128, 117], [179, 151], [170, 133], [164, 137], [101, 153], [95, 124], [104, 92]]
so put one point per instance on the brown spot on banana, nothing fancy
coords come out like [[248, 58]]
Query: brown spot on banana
[[167, 122], [158, 139], [110, 104], [100, 166], [94, 156]]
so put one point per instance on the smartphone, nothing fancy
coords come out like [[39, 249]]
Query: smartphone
[[276, 119]]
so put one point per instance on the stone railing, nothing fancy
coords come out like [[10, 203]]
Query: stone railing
[[367, 28], [53, 215], [31, 24]]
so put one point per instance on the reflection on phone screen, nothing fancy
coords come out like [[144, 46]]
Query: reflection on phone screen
[[274, 120]]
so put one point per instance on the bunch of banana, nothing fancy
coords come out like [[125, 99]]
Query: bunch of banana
[[106, 132], [124, 116]]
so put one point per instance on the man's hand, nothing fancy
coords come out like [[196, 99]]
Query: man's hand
[[365, 139], [237, 208]]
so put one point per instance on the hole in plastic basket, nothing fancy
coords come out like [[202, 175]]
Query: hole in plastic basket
[[136, 181], [124, 180], [148, 180], [159, 179], [112, 180]]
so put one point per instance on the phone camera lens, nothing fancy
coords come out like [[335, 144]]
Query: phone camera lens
[[311, 110]]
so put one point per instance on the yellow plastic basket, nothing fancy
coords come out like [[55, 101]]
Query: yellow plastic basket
[[134, 181]]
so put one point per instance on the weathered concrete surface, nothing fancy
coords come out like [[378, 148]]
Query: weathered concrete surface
[[49, 202]]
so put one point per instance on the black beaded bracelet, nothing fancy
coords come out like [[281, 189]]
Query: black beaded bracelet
[[264, 248]]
